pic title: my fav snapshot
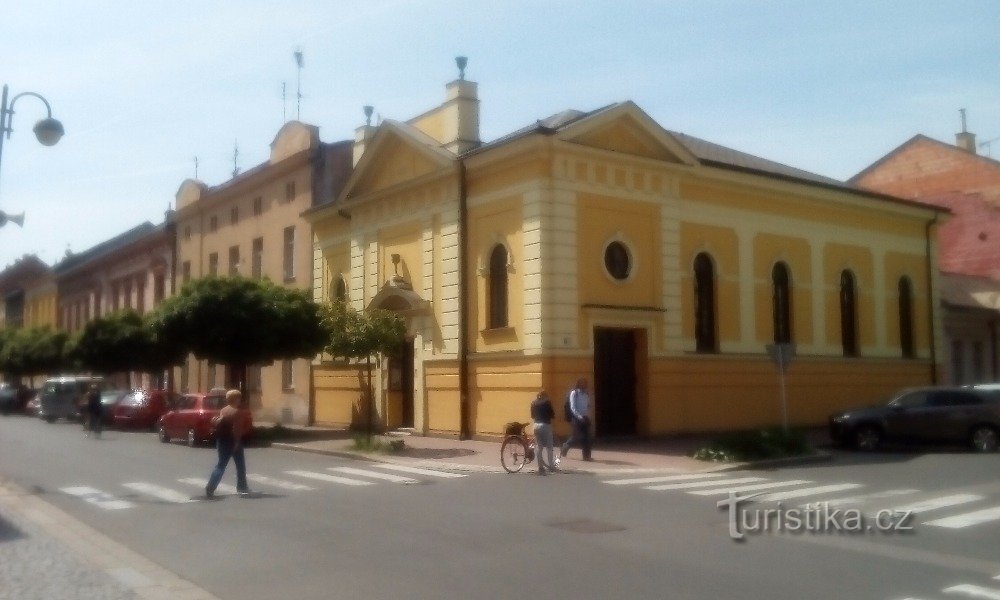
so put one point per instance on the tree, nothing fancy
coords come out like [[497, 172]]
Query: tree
[[362, 336], [32, 351], [239, 322], [124, 341]]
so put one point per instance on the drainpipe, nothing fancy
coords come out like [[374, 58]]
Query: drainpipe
[[930, 296], [463, 310]]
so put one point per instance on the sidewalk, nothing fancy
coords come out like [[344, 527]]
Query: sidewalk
[[610, 457]]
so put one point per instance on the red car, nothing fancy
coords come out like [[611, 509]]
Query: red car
[[191, 418], [143, 408]]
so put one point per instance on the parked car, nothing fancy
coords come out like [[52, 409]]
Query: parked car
[[109, 400], [924, 415], [61, 396], [191, 418], [142, 408], [34, 405]]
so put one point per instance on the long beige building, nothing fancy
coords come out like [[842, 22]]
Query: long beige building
[[251, 226]]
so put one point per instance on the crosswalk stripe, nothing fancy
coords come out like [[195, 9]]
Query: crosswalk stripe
[[662, 479], [974, 591], [864, 498], [222, 488], [749, 488], [160, 493], [97, 497], [278, 483], [330, 478], [801, 493], [419, 471], [936, 503], [967, 519], [697, 484], [373, 474]]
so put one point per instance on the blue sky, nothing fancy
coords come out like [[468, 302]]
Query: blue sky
[[144, 87]]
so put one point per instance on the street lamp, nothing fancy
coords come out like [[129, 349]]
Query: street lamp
[[48, 131]]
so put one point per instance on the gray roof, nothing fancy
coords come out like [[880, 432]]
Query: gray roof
[[106, 247]]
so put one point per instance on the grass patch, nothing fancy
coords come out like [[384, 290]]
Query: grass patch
[[758, 444], [376, 444]]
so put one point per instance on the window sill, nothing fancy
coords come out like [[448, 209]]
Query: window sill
[[499, 334]]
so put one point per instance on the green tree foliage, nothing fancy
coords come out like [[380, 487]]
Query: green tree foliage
[[362, 336], [123, 341], [33, 351], [239, 321]]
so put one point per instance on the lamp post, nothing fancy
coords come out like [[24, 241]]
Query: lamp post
[[48, 131]]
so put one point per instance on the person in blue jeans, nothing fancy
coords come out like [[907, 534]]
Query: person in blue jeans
[[231, 428], [579, 403]]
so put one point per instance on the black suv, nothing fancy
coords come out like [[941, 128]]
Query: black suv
[[924, 415]]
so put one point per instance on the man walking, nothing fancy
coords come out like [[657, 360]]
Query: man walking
[[94, 410], [542, 415], [579, 405], [231, 425]]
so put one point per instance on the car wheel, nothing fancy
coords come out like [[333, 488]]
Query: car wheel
[[162, 433], [984, 438], [867, 437], [192, 439]]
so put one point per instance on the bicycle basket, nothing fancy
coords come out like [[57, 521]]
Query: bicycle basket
[[513, 428]]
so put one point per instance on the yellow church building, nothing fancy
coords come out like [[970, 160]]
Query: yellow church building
[[599, 244]]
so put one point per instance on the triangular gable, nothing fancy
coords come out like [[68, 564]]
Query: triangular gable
[[397, 153], [627, 129]]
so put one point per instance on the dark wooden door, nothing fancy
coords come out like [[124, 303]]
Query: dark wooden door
[[614, 381]]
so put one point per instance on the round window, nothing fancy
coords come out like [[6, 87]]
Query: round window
[[617, 261]]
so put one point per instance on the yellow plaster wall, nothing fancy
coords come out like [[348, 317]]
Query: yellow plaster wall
[[723, 246], [701, 394], [768, 250], [499, 221], [602, 219], [336, 262], [406, 240], [337, 390], [442, 397], [397, 163]]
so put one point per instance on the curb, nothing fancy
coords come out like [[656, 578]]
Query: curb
[[128, 568], [791, 461]]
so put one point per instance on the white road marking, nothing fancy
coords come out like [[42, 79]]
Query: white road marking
[[223, 488], [973, 591], [663, 479], [373, 474], [278, 483], [97, 497], [823, 489], [329, 478], [968, 519], [419, 471], [749, 488], [697, 484], [863, 498], [936, 503], [160, 493]]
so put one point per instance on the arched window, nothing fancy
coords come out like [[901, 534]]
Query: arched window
[[704, 304], [498, 287], [848, 313], [906, 317], [339, 291], [782, 304]]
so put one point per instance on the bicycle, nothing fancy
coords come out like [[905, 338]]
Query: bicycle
[[518, 448]]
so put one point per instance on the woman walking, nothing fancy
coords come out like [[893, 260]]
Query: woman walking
[[231, 427]]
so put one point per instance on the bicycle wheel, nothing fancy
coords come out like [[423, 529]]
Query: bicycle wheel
[[513, 454]]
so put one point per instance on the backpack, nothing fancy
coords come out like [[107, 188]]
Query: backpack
[[567, 409]]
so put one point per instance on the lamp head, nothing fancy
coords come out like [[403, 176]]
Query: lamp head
[[49, 131]]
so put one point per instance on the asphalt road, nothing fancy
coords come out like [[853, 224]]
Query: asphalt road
[[304, 535]]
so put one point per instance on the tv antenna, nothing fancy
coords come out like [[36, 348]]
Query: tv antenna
[[236, 158], [988, 144], [298, 90], [284, 104], [196, 167]]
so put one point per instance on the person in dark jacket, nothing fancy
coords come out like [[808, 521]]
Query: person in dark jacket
[[232, 425], [542, 415], [94, 410]]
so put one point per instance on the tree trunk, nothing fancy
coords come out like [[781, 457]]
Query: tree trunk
[[371, 398]]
